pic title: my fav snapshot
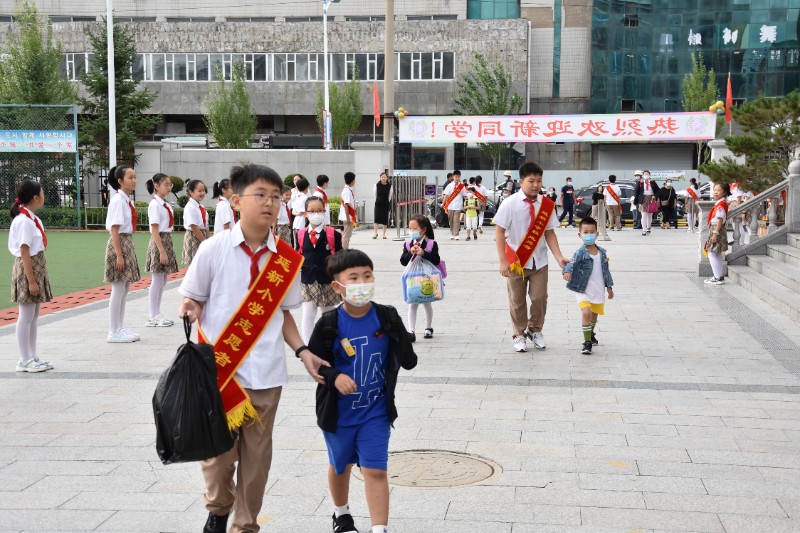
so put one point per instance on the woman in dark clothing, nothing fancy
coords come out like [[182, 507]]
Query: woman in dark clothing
[[383, 193], [597, 196], [667, 198]]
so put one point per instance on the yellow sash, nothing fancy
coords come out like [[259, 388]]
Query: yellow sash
[[246, 326], [518, 258]]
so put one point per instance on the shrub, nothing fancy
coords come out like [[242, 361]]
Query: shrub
[[52, 217], [183, 200], [177, 184], [289, 179]]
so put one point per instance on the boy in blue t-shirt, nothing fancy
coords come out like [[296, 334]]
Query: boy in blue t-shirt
[[366, 344]]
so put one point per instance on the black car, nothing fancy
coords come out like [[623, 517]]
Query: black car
[[584, 202]]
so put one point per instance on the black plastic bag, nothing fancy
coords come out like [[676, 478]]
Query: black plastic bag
[[190, 419]]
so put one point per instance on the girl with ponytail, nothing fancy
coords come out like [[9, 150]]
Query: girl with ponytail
[[224, 215], [30, 285], [161, 259], [195, 220]]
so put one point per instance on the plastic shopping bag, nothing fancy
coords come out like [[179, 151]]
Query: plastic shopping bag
[[190, 420], [422, 282]]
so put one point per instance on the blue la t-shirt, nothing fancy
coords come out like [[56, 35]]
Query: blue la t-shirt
[[367, 367]]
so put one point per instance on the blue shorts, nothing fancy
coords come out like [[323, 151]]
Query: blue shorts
[[366, 445]]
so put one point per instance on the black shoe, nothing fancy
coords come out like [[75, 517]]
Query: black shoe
[[587, 348], [595, 342], [413, 336], [428, 333], [216, 523], [343, 524]]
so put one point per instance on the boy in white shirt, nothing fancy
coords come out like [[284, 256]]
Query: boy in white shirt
[[347, 211]]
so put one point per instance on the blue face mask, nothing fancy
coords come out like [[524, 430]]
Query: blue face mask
[[414, 235], [589, 239]]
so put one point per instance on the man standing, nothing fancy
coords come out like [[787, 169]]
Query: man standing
[[453, 203], [637, 216], [567, 202], [612, 192]]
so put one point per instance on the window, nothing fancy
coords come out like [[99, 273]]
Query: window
[[492, 9], [201, 67], [279, 67], [630, 21], [628, 106]]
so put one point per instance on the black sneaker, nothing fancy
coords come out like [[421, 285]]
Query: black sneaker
[[216, 523], [587, 348], [428, 333], [595, 342], [343, 524], [413, 336]]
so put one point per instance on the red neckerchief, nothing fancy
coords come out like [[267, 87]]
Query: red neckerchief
[[169, 211], [24, 211], [204, 214], [134, 217]]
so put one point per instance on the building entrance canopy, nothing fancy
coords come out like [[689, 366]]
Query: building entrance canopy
[[622, 127]]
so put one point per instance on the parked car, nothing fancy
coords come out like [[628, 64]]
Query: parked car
[[584, 203]]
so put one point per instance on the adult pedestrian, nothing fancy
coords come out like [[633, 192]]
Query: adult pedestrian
[[612, 193], [597, 196], [383, 195], [567, 202], [646, 193], [667, 197], [635, 212]]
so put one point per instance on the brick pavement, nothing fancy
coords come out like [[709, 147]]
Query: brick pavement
[[685, 419]]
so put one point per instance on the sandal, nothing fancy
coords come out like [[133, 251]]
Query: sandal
[[428, 333]]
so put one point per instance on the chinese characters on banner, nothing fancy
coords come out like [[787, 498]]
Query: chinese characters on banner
[[38, 141], [624, 127]]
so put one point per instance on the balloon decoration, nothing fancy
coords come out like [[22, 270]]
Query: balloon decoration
[[401, 113], [717, 107]]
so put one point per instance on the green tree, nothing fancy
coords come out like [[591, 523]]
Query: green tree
[[228, 116], [30, 74], [132, 103], [486, 90], [700, 91], [346, 109], [772, 135]]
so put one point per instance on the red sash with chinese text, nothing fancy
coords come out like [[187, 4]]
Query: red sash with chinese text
[[480, 196], [456, 191], [722, 204], [690, 192], [613, 194], [352, 210], [324, 195], [249, 321], [517, 259]]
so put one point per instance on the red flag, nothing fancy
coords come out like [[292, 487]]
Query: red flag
[[729, 102], [376, 104]]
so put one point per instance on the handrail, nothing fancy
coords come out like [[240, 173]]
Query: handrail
[[772, 192]]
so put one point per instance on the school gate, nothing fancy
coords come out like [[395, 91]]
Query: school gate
[[40, 142]]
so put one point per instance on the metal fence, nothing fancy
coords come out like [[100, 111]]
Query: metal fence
[[408, 199], [39, 142]]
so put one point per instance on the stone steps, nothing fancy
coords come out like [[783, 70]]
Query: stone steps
[[775, 277]]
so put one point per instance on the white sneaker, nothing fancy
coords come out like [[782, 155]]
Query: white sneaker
[[519, 344], [130, 333], [151, 322], [714, 281], [48, 364], [538, 340], [120, 336], [31, 365], [164, 322]]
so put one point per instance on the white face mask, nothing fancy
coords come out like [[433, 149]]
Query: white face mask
[[316, 218], [358, 294]]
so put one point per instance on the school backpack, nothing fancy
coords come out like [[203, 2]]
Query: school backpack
[[329, 235], [442, 266]]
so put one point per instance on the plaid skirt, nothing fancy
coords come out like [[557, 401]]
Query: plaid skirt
[[284, 231], [190, 246], [153, 263], [20, 292], [322, 295], [131, 271], [721, 246]]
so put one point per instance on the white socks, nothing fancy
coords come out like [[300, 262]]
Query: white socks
[[27, 324], [717, 264], [159, 280], [344, 509], [412, 316], [379, 529], [310, 318], [116, 305]]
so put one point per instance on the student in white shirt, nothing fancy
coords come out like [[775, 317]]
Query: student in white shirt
[[224, 215], [161, 260], [122, 267], [30, 284], [347, 209], [453, 202], [690, 207], [717, 243], [299, 206], [215, 285], [283, 224], [321, 191], [195, 220], [485, 193], [613, 206]]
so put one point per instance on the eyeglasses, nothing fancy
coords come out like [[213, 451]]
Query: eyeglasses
[[264, 199], [312, 212]]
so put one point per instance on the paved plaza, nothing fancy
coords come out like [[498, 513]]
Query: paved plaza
[[686, 418]]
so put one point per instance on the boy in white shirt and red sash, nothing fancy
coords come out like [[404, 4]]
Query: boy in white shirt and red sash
[[690, 207], [453, 203], [525, 224], [240, 287], [347, 211], [613, 203]]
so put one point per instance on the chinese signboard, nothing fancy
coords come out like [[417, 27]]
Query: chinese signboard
[[624, 127], [38, 141]]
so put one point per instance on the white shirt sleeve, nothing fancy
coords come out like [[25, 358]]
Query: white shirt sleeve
[[191, 215], [115, 216], [503, 216], [153, 215], [197, 282]]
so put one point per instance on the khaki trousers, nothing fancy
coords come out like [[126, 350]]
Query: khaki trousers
[[253, 451], [347, 232], [454, 217], [533, 284], [614, 219]]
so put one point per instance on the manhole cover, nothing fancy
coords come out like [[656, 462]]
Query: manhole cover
[[436, 468]]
